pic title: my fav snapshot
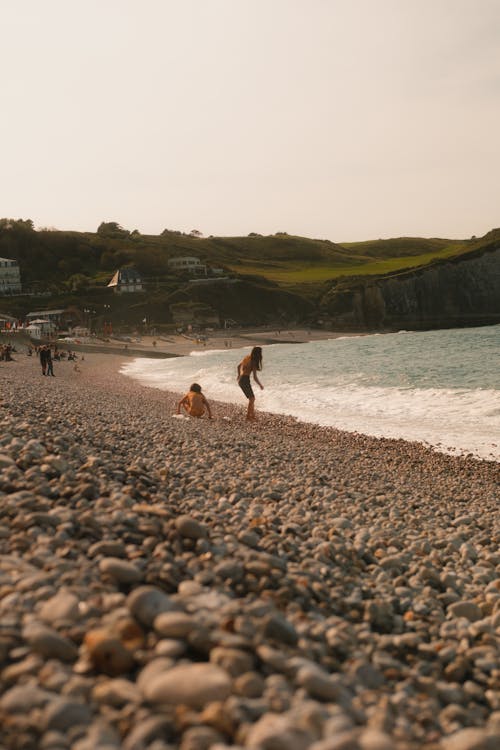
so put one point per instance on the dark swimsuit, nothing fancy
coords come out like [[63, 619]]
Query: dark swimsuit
[[244, 383]]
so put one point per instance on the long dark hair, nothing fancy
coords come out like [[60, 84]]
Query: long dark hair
[[256, 357]]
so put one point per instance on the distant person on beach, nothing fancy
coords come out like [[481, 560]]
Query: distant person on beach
[[43, 359], [6, 353], [249, 365], [50, 366], [194, 403]]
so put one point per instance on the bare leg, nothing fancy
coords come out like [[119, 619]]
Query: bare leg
[[251, 409]]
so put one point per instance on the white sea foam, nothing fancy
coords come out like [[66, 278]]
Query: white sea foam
[[440, 388]]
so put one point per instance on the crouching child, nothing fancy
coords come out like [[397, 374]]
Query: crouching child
[[194, 403]]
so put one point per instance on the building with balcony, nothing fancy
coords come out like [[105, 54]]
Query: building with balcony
[[188, 264], [10, 276], [51, 316]]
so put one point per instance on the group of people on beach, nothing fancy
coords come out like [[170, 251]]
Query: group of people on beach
[[6, 351], [195, 404]]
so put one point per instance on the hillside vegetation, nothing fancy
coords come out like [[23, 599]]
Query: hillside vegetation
[[74, 268], [51, 256]]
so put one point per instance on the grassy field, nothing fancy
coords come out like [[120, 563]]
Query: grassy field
[[53, 261], [292, 272]]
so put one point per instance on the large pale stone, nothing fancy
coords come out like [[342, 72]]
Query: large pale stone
[[192, 685], [190, 528], [174, 624], [466, 609], [62, 606], [121, 570]]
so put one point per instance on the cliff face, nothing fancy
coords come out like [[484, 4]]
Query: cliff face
[[459, 292]]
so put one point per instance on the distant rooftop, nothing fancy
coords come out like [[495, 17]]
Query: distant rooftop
[[39, 313]]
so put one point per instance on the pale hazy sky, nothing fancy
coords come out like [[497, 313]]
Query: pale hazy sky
[[337, 119]]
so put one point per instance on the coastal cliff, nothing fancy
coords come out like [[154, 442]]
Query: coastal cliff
[[456, 292]]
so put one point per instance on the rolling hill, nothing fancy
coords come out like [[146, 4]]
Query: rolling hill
[[288, 272]]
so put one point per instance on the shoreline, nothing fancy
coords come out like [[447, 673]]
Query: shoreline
[[481, 452], [182, 346], [178, 345], [102, 373], [231, 584]]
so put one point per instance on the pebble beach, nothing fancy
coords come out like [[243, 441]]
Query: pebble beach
[[171, 583]]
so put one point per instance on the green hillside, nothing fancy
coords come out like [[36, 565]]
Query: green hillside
[[74, 268], [50, 257], [376, 257]]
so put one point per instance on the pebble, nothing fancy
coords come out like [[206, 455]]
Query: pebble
[[48, 643], [118, 692], [190, 528], [192, 685], [466, 609], [472, 739], [145, 732], [99, 736], [234, 661], [319, 684], [174, 624], [107, 653], [276, 627], [62, 606], [372, 739], [62, 714], [174, 584], [276, 732], [147, 602], [24, 698], [121, 570]]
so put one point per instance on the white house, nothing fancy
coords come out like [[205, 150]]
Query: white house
[[187, 263], [10, 276], [39, 328], [52, 316], [126, 280]]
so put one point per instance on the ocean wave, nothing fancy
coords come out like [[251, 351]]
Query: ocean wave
[[439, 388]]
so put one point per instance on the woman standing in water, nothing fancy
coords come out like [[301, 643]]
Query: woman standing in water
[[249, 366]]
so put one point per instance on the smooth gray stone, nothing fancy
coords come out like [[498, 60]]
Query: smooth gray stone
[[47, 642], [23, 698], [145, 603], [63, 714]]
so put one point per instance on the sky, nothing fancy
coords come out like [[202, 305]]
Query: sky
[[336, 119]]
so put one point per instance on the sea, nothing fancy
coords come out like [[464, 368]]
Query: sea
[[440, 388]]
